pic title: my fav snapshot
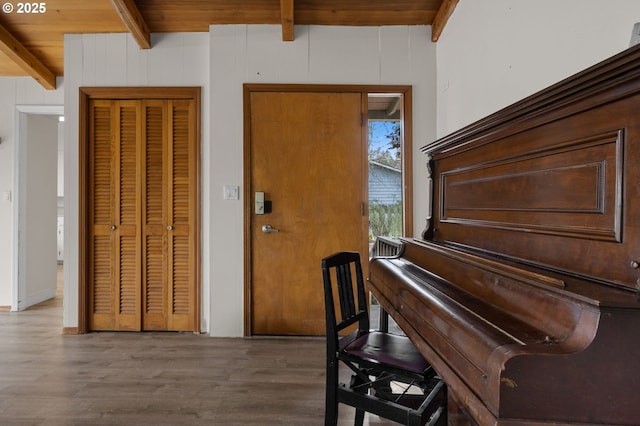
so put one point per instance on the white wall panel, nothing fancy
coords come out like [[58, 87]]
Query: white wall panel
[[424, 117], [283, 62], [136, 63], [161, 70], [229, 69], [98, 56], [7, 124], [344, 54], [495, 52], [195, 60], [74, 78], [114, 59], [395, 54], [88, 67]]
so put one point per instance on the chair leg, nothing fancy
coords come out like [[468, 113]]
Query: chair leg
[[356, 384], [331, 396]]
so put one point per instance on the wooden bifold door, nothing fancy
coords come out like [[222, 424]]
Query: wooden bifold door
[[142, 215]]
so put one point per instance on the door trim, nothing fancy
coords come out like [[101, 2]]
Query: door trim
[[407, 161], [125, 93]]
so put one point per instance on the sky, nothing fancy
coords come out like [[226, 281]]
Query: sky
[[380, 130]]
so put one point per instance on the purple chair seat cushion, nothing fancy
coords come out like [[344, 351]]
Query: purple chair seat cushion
[[390, 349]]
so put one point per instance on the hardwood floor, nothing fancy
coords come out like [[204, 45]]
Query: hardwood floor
[[47, 378]]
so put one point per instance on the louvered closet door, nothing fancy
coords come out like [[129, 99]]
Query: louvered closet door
[[143, 194], [169, 237], [115, 215]]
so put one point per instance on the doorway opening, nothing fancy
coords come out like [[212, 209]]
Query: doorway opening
[[38, 198], [385, 172], [389, 182]]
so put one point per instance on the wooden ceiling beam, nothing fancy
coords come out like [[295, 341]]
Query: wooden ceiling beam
[[26, 60], [133, 20], [444, 13], [286, 19]]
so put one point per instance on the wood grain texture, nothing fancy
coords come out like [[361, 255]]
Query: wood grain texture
[[286, 19], [566, 159], [26, 60], [42, 33], [308, 157], [144, 249], [155, 378], [133, 20]]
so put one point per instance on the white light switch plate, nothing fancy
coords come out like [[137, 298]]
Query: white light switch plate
[[231, 192]]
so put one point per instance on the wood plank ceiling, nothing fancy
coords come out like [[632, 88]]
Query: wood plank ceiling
[[31, 34]]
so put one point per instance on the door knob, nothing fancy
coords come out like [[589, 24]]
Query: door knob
[[170, 228], [267, 229], [112, 227]]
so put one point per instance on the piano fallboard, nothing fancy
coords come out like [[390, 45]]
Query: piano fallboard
[[514, 348]]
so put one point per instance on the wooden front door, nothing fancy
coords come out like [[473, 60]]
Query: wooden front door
[[142, 215], [308, 156]]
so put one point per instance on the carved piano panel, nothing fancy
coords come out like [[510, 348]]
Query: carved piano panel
[[554, 193], [568, 189], [523, 292]]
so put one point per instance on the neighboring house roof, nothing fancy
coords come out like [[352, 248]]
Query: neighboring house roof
[[385, 183]]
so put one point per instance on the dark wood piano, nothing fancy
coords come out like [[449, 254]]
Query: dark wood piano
[[524, 291]]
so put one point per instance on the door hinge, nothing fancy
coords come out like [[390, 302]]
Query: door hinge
[[362, 208]]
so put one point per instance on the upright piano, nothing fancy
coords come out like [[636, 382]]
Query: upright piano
[[524, 290]]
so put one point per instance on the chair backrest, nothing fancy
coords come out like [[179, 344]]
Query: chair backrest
[[344, 269]]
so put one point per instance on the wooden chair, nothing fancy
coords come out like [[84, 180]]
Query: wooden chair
[[390, 378]]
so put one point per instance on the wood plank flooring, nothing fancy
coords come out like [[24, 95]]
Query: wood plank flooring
[[47, 378]]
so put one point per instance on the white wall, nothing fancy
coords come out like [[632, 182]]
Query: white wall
[[116, 60], [495, 52], [318, 55], [14, 91]]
